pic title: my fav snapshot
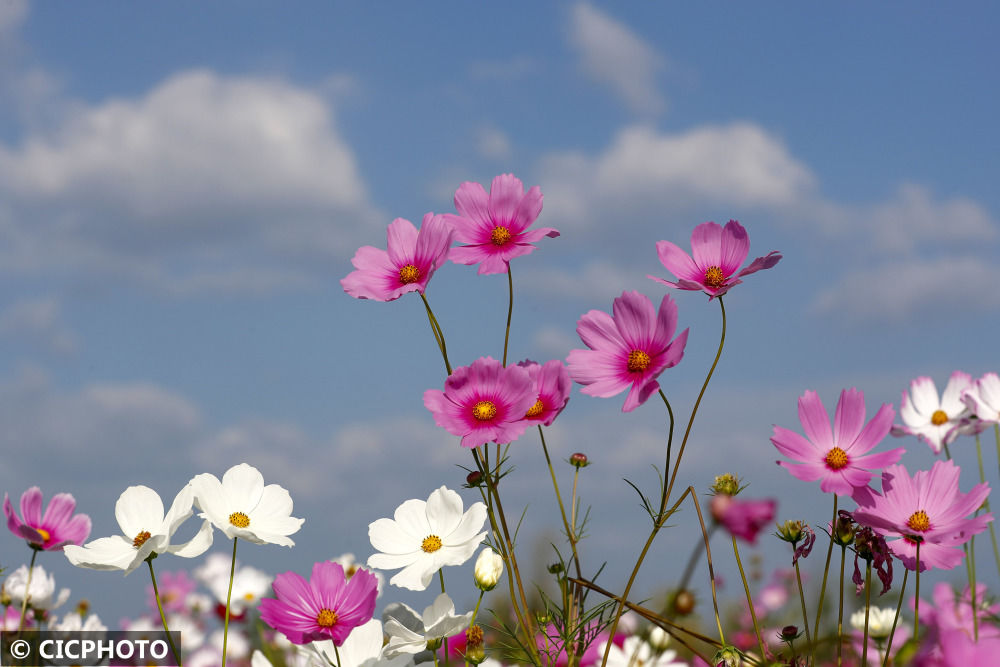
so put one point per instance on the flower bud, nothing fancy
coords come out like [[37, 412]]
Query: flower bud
[[474, 479], [790, 531], [658, 638], [475, 654], [555, 568], [728, 656], [718, 505], [683, 602], [727, 484], [579, 460], [789, 633], [489, 567], [843, 529]]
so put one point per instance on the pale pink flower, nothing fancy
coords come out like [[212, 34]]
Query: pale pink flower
[[743, 518], [982, 398], [936, 421]]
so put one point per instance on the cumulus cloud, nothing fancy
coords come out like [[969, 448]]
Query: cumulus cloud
[[241, 173], [39, 322], [12, 14], [595, 281], [492, 143], [616, 57]]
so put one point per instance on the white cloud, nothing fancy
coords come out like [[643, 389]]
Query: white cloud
[[39, 322], [12, 14], [616, 57], [596, 281], [202, 172], [492, 143]]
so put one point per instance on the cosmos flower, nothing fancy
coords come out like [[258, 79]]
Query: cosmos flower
[[494, 227], [41, 592], [483, 402], [362, 648], [838, 457], [408, 263], [926, 508], [934, 420], [409, 632], [241, 506], [146, 530], [631, 348], [716, 255], [742, 518], [51, 531], [982, 398], [424, 536], [328, 606], [635, 651], [552, 386]]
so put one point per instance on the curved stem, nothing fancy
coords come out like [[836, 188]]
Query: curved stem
[[895, 620], [163, 617], [510, 311], [229, 595], [826, 570], [438, 333], [753, 613], [27, 590], [670, 444]]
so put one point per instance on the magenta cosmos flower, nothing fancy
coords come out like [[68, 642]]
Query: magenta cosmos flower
[[494, 227], [743, 518], [926, 508], [51, 531], [936, 421], [631, 348], [409, 261], [716, 255], [838, 457], [552, 386], [484, 402], [328, 606]]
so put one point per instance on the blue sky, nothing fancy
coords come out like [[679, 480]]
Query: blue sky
[[182, 187]]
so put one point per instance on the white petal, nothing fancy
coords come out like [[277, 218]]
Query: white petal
[[416, 576], [105, 553], [244, 485], [387, 537], [444, 511], [197, 545], [393, 561], [210, 497], [412, 518], [472, 522], [179, 511], [138, 509]]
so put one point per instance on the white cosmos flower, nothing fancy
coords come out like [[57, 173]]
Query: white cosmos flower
[[934, 420], [146, 530], [249, 586], [41, 593], [241, 506], [409, 633], [422, 537], [879, 621], [637, 652], [362, 648], [73, 622], [983, 398]]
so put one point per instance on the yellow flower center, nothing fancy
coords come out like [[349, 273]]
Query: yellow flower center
[[409, 274], [836, 458], [350, 572], [239, 519], [44, 533], [431, 544], [714, 277], [140, 539], [638, 361], [248, 596], [484, 411], [919, 521], [535, 410], [939, 417], [500, 235], [326, 618]]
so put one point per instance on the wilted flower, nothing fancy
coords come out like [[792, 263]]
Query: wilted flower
[[872, 548], [51, 531]]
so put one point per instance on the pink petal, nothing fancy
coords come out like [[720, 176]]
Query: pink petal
[[600, 372], [734, 248], [706, 245], [815, 421], [537, 234], [879, 460], [31, 506], [506, 192], [636, 320], [677, 262], [401, 240], [794, 446], [874, 432], [527, 211], [666, 322], [639, 394], [472, 203], [675, 351], [807, 472], [598, 331], [761, 263], [849, 417]]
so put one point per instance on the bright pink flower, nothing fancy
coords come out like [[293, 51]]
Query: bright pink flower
[[552, 386], [51, 532], [631, 348], [494, 227], [328, 606], [484, 402], [716, 255], [936, 421], [927, 508], [410, 260], [743, 518], [839, 457]]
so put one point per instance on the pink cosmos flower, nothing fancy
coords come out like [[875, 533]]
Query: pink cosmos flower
[[838, 457], [410, 260], [716, 255], [631, 348], [174, 588], [983, 398], [927, 508], [552, 386], [51, 532], [936, 421], [328, 606], [494, 227], [743, 518], [484, 402]]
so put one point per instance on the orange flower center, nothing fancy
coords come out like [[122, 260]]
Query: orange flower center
[[431, 544], [714, 277], [44, 533], [484, 410], [836, 458], [326, 618], [535, 410], [919, 521], [939, 417], [409, 274], [239, 519], [140, 539], [500, 235], [638, 361]]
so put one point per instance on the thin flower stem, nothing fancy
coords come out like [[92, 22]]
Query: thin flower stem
[[336, 654], [670, 444], [802, 601], [27, 590], [840, 610], [447, 656], [570, 531], [163, 617], [441, 576], [868, 607], [895, 620], [916, 600], [438, 333], [986, 505], [708, 556], [693, 562], [510, 312], [996, 434], [229, 595], [826, 570], [972, 586], [753, 613]]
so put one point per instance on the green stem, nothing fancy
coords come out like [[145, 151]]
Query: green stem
[[826, 570], [753, 613], [510, 312], [229, 595], [895, 620], [570, 531], [336, 654], [159, 606], [27, 589], [916, 600], [840, 610], [986, 505], [868, 607], [438, 333], [802, 601]]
